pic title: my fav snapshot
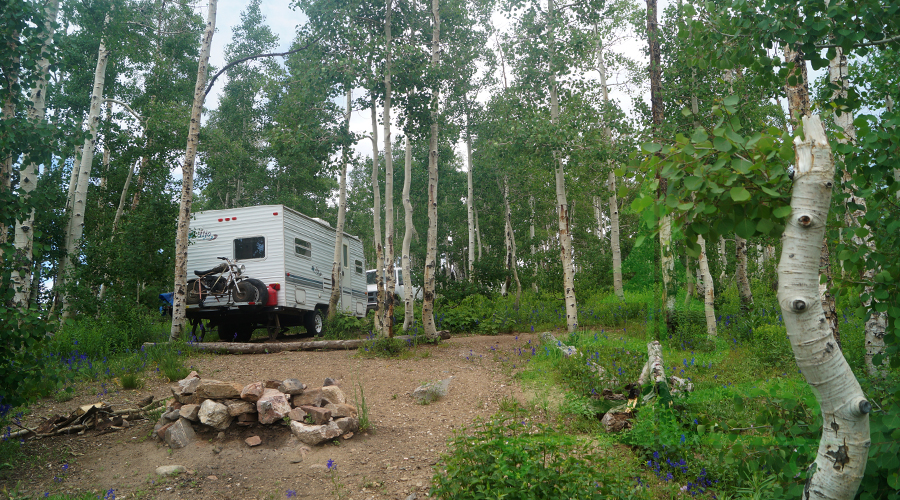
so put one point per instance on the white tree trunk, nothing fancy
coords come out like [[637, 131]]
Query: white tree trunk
[[24, 235], [337, 268], [408, 313], [376, 222], [470, 208], [723, 261], [187, 174], [431, 252], [562, 205], [743, 283], [534, 285], [667, 260], [709, 293], [477, 232], [844, 446], [510, 238], [388, 182], [614, 238], [76, 225]]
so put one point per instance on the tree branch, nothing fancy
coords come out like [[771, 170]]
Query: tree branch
[[127, 107], [257, 56], [855, 45]]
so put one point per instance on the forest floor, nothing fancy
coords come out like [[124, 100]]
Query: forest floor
[[392, 460]]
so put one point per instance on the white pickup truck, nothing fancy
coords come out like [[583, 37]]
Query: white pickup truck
[[399, 289]]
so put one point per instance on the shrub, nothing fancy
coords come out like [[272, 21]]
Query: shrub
[[510, 458], [770, 345], [690, 329], [344, 326], [383, 347]]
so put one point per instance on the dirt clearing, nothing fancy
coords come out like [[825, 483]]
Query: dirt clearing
[[393, 460]]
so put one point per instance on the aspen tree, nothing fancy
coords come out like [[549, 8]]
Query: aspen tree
[[187, 174]]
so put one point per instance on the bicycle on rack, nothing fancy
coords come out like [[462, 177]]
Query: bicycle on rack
[[226, 285]]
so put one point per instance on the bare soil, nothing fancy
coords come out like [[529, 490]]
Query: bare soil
[[391, 461]]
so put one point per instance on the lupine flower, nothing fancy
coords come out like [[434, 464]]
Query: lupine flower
[[331, 464]]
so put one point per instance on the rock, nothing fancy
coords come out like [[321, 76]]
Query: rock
[[253, 441], [412, 496], [341, 410], [215, 389], [333, 394], [315, 434], [171, 415], [615, 420], [215, 415], [217, 449], [193, 374], [247, 419], [347, 435], [329, 381], [347, 425], [252, 392], [272, 406], [190, 412], [165, 470], [272, 384], [297, 414], [189, 385], [145, 401], [239, 407], [292, 386], [179, 434], [159, 430], [310, 397], [319, 415], [433, 391]]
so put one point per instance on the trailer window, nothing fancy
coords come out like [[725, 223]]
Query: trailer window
[[302, 248], [250, 248], [346, 263], [371, 277], [359, 266], [400, 277]]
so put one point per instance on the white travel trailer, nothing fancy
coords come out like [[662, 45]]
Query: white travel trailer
[[290, 253]]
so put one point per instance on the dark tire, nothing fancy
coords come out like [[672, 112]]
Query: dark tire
[[194, 293], [244, 333], [250, 290], [315, 322]]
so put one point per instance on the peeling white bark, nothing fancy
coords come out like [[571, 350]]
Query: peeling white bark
[[337, 270], [653, 370], [843, 448], [743, 282], [470, 207], [376, 221], [390, 274]]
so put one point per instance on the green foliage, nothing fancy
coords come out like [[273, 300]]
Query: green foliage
[[344, 326], [770, 345], [383, 347], [116, 330], [690, 327], [507, 457], [359, 397]]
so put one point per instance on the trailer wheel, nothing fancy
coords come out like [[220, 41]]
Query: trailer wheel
[[244, 332], [193, 292], [315, 322]]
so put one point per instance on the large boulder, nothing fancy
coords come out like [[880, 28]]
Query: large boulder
[[272, 406], [252, 392], [215, 415], [347, 424], [215, 389], [179, 434], [315, 434]]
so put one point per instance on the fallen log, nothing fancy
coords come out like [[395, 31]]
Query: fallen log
[[654, 366], [273, 347]]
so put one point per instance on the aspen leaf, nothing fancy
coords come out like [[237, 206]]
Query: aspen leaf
[[782, 212], [765, 226], [686, 112], [651, 147], [740, 193], [693, 183], [745, 228], [722, 144], [732, 100], [699, 135]]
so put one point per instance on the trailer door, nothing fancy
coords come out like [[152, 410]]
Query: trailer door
[[346, 278]]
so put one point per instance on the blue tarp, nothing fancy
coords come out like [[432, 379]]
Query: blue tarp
[[167, 298]]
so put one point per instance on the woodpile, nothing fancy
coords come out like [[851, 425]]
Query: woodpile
[[98, 416]]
